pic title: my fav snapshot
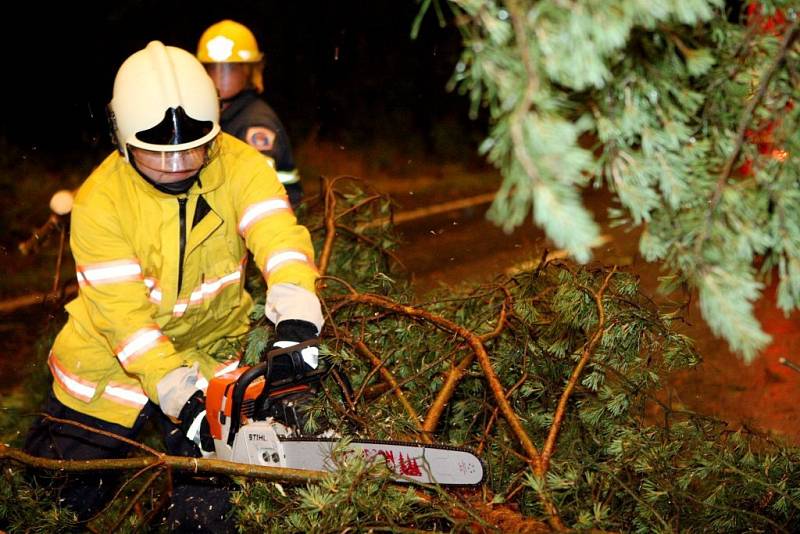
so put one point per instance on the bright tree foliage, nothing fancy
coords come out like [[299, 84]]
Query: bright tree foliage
[[685, 109]]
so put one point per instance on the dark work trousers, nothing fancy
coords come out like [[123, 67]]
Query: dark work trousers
[[198, 505]]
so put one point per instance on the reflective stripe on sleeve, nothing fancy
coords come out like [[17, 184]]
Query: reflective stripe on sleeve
[[259, 210], [108, 273], [154, 295], [180, 308], [279, 259], [128, 395], [139, 343]]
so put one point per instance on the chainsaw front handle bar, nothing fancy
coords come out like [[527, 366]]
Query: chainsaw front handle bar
[[265, 369]]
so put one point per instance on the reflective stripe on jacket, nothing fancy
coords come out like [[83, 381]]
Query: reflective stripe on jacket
[[131, 324]]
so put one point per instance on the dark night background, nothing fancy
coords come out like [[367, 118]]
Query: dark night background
[[345, 72]]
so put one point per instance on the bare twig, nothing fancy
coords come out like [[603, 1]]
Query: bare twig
[[388, 377], [134, 500], [142, 446], [495, 412], [330, 225], [16, 303]]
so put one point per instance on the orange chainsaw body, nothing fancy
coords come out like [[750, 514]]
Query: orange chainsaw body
[[219, 402], [219, 399]]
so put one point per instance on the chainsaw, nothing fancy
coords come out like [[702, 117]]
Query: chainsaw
[[242, 434]]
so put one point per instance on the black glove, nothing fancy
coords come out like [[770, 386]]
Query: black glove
[[295, 353], [295, 330], [194, 424]]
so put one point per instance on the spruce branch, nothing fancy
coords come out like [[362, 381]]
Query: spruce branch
[[389, 378], [531, 86], [642, 502], [476, 344], [456, 373], [730, 510], [789, 37], [331, 217], [371, 242], [558, 417], [382, 388]]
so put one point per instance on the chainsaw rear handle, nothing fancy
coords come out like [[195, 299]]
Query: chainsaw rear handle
[[239, 389]]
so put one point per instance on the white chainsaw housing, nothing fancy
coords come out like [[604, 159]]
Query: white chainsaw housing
[[256, 443]]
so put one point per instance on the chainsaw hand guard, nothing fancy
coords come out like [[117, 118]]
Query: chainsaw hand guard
[[287, 366]]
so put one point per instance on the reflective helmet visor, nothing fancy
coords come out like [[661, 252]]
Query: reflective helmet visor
[[230, 78]]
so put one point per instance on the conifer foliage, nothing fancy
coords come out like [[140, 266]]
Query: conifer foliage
[[686, 110], [550, 376]]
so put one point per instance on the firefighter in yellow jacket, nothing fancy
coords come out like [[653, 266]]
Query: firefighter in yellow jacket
[[160, 233]]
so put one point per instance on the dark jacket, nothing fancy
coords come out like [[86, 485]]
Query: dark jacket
[[252, 120]]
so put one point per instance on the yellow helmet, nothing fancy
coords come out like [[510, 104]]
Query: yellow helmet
[[228, 41]]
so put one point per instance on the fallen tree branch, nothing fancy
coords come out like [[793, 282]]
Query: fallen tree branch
[[476, 344], [561, 410], [456, 373], [177, 463], [31, 299]]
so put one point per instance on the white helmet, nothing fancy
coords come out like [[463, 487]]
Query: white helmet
[[163, 101]]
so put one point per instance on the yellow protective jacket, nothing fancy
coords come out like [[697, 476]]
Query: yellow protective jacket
[[162, 276]]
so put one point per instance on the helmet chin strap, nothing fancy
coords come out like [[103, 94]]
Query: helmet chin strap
[[175, 188]]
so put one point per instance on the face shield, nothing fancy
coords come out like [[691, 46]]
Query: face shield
[[172, 172], [230, 78], [179, 161]]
